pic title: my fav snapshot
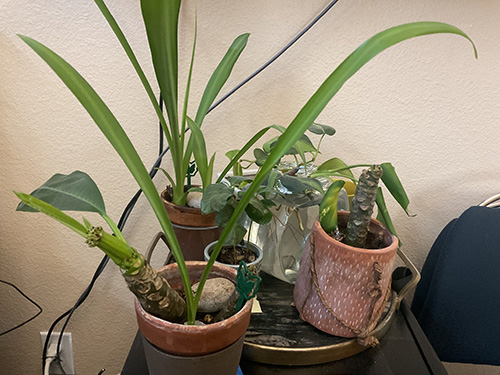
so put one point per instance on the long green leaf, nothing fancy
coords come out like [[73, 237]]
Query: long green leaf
[[320, 99], [72, 192], [200, 151], [328, 217], [214, 85], [49, 210], [130, 54], [115, 134], [188, 83], [220, 76], [161, 19], [394, 185], [383, 212], [237, 155]]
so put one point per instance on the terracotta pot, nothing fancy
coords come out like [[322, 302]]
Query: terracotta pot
[[184, 340], [193, 229], [347, 279]]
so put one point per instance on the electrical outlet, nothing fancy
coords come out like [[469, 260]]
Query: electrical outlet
[[66, 353]]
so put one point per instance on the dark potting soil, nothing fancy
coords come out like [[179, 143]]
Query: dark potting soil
[[235, 254], [374, 241]]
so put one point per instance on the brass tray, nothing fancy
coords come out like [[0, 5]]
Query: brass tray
[[278, 336]]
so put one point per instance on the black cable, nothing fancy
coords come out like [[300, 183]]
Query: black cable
[[275, 57], [29, 299], [152, 173]]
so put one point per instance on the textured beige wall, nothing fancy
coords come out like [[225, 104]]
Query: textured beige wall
[[426, 105]]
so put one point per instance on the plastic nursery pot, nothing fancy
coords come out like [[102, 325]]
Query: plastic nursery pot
[[223, 362], [186, 340], [193, 229], [353, 283], [253, 267]]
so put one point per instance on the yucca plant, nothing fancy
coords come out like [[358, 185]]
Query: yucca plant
[[163, 39]]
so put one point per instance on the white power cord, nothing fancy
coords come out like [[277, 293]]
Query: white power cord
[[51, 355]]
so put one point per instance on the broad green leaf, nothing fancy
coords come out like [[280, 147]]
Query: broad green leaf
[[321, 129], [220, 76], [260, 156], [236, 235], [49, 210], [302, 146], [268, 202], [161, 20], [321, 98], [297, 184], [338, 166], [71, 192], [394, 185], [224, 215], [328, 217], [268, 146], [231, 154], [215, 197], [383, 213], [272, 179], [258, 212], [236, 180]]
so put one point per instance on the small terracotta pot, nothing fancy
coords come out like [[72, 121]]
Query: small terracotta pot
[[186, 216], [193, 230], [184, 340], [345, 277]]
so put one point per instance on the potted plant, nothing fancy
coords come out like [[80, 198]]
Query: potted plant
[[193, 229], [222, 199], [345, 269], [136, 271], [289, 186]]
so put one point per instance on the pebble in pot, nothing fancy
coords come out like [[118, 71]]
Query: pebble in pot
[[216, 294]]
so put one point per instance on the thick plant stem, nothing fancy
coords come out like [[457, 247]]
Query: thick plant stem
[[362, 206], [156, 296], [153, 292]]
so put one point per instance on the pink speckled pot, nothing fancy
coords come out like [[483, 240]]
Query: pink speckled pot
[[344, 275], [187, 340]]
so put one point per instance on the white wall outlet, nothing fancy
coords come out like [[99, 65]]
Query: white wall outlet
[[66, 353]]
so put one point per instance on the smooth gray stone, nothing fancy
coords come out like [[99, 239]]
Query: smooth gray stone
[[216, 293]]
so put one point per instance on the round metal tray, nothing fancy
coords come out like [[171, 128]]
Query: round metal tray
[[278, 336]]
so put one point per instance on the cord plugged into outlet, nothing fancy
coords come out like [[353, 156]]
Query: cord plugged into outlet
[[66, 364]]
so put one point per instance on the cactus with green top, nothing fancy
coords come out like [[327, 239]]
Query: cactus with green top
[[362, 206], [367, 194]]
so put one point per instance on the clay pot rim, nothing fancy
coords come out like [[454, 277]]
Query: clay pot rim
[[177, 207], [186, 329], [387, 249]]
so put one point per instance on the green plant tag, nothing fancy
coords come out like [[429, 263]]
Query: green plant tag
[[247, 284]]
